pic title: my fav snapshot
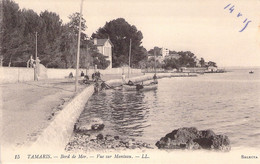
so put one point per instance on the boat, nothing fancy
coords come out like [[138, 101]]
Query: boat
[[251, 72], [140, 87]]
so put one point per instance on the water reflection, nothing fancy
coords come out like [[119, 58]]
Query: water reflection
[[124, 113], [210, 101]]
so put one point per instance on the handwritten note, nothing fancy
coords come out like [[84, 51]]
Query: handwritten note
[[246, 21]]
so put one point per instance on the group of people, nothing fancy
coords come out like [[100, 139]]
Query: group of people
[[96, 77]]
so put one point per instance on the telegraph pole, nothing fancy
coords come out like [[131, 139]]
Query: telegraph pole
[[36, 46], [1, 31], [78, 51], [154, 60], [35, 68], [129, 60]]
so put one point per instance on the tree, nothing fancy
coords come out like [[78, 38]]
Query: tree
[[187, 59], [155, 51], [120, 32], [12, 32], [57, 43], [1, 28], [89, 55], [211, 63], [171, 63], [202, 62], [74, 23]]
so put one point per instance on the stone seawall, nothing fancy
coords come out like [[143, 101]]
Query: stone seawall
[[149, 76], [58, 133]]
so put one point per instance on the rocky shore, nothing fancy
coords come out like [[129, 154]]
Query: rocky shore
[[88, 142], [193, 139], [88, 137]]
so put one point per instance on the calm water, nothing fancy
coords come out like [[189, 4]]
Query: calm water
[[227, 103]]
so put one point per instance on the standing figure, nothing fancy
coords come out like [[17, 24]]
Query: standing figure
[[155, 79], [82, 74], [71, 75], [123, 78]]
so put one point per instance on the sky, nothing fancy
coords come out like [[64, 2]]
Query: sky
[[203, 27]]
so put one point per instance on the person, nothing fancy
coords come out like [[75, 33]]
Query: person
[[82, 74], [130, 83], [96, 87], [123, 78], [155, 79], [93, 76], [86, 79], [98, 75], [71, 75]]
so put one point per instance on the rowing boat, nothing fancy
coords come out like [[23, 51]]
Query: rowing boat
[[140, 87]]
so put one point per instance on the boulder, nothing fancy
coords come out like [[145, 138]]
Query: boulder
[[193, 139], [92, 124]]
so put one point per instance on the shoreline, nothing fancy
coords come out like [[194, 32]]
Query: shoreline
[[37, 117], [96, 140], [30, 107]]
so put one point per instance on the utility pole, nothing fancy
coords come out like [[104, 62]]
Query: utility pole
[[36, 46], [154, 60], [78, 51], [1, 31], [86, 62], [35, 67], [129, 62]]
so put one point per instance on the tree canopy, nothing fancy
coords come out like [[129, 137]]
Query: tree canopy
[[57, 42], [175, 60], [120, 32]]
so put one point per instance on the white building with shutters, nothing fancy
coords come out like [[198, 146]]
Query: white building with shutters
[[104, 47]]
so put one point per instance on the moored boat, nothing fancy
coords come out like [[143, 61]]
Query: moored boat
[[251, 72], [139, 87]]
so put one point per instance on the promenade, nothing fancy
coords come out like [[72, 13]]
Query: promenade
[[29, 107]]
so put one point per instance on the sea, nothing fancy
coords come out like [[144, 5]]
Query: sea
[[228, 103]]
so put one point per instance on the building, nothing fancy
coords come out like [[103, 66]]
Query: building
[[212, 69], [164, 52], [197, 63], [104, 47]]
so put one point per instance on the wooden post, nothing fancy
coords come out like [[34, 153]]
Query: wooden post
[[129, 60], [35, 66]]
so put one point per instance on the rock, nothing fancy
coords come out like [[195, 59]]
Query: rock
[[116, 137], [87, 142], [193, 139], [109, 138], [97, 126], [100, 137], [92, 124]]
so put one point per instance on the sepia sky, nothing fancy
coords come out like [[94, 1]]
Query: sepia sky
[[201, 26]]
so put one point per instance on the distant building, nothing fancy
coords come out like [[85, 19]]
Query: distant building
[[212, 69], [164, 52], [160, 56], [104, 47], [197, 63]]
